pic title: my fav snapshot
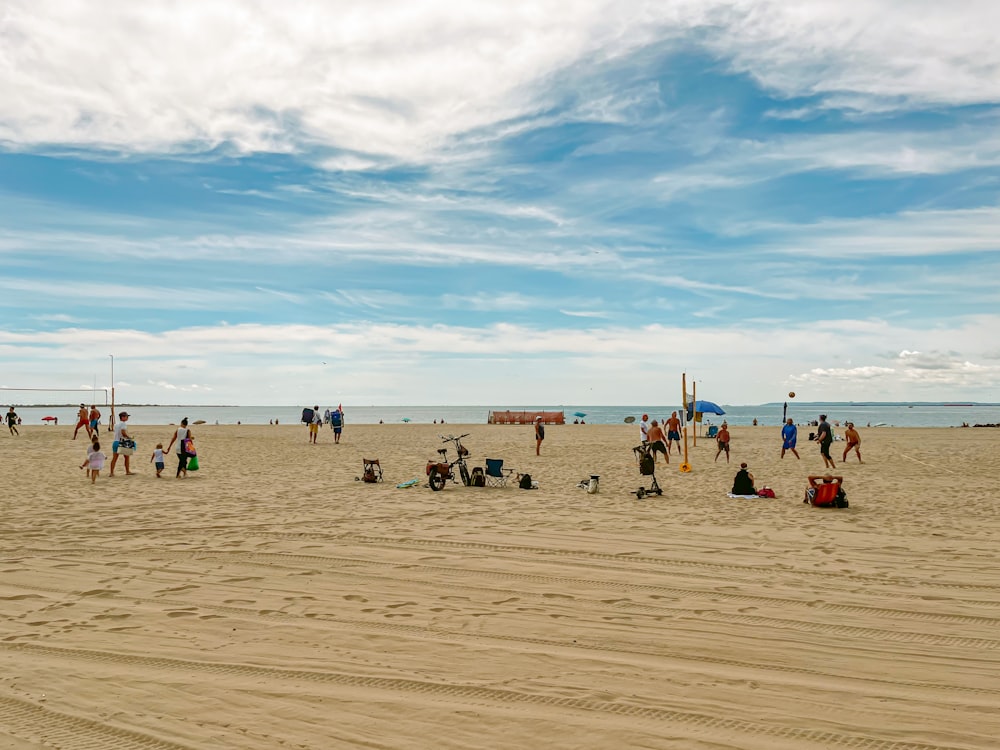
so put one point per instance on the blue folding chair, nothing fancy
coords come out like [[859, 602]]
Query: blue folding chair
[[496, 474], [712, 431]]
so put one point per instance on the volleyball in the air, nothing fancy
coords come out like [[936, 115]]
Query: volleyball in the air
[[791, 394]]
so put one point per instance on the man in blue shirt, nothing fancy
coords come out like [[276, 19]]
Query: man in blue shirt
[[789, 434]]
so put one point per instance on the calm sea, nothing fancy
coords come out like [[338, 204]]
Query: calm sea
[[897, 415]]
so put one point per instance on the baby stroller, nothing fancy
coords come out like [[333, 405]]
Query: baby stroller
[[647, 467]]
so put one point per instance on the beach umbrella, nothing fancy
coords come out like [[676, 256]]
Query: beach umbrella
[[629, 420], [579, 414], [406, 419], [49, 419], [708, 407]]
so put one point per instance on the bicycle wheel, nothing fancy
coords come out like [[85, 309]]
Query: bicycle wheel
[[464, 472], [436, 480]]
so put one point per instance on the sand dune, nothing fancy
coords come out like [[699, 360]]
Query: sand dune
[[272, 601]]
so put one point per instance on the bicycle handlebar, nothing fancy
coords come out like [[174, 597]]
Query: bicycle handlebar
[[449, 438]]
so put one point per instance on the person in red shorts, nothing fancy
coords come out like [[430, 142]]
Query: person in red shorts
[[83, 420]]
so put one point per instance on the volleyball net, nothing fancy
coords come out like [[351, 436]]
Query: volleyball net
[[105, 391]]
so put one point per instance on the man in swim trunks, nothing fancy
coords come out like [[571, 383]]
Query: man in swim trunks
[[657, 441], [789, 435], [853, 441], [95, 419], [82, 420], [673, 432], [722, 437]]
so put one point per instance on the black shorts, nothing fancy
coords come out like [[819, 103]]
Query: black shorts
[[673, 435], [824, 448], [724, 446], [658, 446]]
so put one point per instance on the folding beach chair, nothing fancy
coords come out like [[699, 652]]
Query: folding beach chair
[[496, 474], [372, 470], [712, 431]]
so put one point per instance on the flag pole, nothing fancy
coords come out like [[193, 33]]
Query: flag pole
[[685, 467], [694, 411]]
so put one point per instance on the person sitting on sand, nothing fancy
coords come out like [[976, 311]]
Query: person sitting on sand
[[743, 482], [823, 490]]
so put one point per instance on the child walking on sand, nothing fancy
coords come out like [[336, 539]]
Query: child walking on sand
[[95, 460], [157, 457]]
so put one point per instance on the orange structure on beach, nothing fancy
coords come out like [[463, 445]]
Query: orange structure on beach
[[525, 417]]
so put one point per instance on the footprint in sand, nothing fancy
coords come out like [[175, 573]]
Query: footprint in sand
[[355, 598]]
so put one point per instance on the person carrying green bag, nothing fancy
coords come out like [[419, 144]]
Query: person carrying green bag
[[185, 448]]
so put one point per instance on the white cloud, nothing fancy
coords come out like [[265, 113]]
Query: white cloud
[[503, 363], [400, 79]]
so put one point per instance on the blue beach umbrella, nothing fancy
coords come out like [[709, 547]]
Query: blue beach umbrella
[[406, 419], [708, 407], [579, 414]]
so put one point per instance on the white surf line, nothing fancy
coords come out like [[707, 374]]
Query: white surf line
[[933, 466]]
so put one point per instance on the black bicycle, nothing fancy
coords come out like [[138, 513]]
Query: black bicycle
[[439, 472]]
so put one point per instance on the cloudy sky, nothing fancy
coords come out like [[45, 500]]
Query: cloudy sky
[[538, 203]]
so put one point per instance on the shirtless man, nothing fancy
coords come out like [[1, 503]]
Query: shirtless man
[[722, 437], [853, 441], [673, 433], [657, 441], [95, 419], [82, 420]]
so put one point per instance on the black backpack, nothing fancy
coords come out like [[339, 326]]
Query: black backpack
[[525, 483], [478, 478], [647, 465], [307, 415]]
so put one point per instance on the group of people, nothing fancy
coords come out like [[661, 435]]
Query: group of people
[[334, 418], [89, 419], [652, 434], [124, 446], [824, 436], [660, 440]]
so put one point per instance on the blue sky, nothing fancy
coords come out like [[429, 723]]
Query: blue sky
[[511, 203]]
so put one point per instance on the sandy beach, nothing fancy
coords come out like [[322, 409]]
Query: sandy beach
[[270, 600]]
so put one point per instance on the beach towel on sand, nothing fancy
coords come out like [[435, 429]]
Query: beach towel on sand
[[730, 494]]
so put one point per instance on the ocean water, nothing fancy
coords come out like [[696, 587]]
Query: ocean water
[[896, 415]]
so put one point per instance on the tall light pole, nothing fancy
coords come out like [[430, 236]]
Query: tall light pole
[[111, 419]]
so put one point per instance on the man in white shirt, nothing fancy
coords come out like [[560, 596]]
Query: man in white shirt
[[644, 429], [121, 434]]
